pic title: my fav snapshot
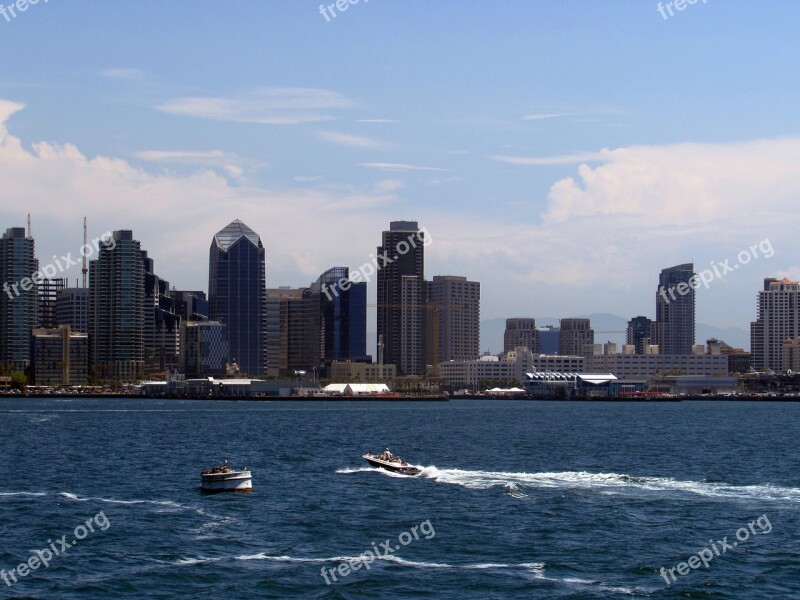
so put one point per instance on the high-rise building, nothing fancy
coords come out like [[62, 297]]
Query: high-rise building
[[778, 319], [72, 308], [456, 306], [18, 300], [521, 332], [47, 291], [60, 356], [640, 334], [190, 305], [548, 339], [204, 349], [343, 316], [401, 294], [675, 303], [237, 294], [575, 337], [117, 310], [293, 331], [161, 323]]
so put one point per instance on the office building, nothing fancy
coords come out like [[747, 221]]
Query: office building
[[60, 356], [456, 318], [521, 332], [18, 300], [778, 319], [204, 349], [547, 339], [343, 316], [48, 290], [237, 294], [117, 310], [576, 337], [640, 334], [161, 325], [675, 306], [293, 332], [72, 308], [401, 295], [190, 305]]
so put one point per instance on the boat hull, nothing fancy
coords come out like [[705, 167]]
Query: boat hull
[[234, 481], [390, 466]]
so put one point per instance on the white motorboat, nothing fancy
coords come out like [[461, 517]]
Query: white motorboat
[[390, 462], [225, 479]]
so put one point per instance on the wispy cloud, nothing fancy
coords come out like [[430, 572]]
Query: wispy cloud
[[398, 167], [350, 140], [543, 116], [269, 106], [226, 161], [563, 159], [377, 121]]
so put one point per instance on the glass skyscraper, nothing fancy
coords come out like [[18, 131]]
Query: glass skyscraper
[[237, 293], [18, 300], [675, 310]]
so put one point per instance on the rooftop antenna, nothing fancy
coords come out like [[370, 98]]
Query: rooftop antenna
[[85, 268], [29, 224]]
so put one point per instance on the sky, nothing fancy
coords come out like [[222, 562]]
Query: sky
[[561, 153]]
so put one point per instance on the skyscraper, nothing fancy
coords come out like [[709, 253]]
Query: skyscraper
[[343, 316], [401, 294], [116, 291], [520, 332], [237, 294], [293, 331], [675, 302], [574, 336], [641, 333], [778, 319], [48, 290], [457, 312], [72, 308], [18, 300]]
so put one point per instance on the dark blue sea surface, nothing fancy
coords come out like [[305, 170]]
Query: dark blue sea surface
[[516, 500]]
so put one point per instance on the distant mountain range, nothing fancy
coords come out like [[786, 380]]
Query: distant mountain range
[[492, 332]]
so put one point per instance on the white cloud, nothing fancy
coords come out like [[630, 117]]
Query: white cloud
[[399, 167], [352, 141], [270, 106], [544, 116], [545, 161]]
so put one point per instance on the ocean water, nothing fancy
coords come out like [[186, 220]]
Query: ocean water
[[516, 500]]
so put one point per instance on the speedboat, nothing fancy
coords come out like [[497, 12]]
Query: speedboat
[[391, 462], [223, 478]]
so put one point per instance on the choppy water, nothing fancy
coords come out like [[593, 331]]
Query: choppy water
[[516, 499]]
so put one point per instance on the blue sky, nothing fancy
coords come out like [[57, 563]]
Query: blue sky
[[561, 153]]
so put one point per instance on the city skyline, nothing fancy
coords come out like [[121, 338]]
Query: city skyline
[[544, 171]]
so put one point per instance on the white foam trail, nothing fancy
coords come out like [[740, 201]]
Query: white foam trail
[[23, 494], [167, 503], [373, 470], [606, 483], [196, 561]]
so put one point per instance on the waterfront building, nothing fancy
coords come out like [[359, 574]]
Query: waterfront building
[[401, 296], [203, 349], [161, 325], [521, 332], [642, 366], [359, 372], [675, 310], [60, 356], [640, 334], [237, 294], [190, 305], [343, 315], [576, 337], [18, 299], [72, 308], [778, 319], [510, 368], [117, 308], [456, 313], [293, 331]]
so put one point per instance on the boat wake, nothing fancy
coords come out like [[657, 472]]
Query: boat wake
[[373, 470], [10, 494], [606, 483]]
